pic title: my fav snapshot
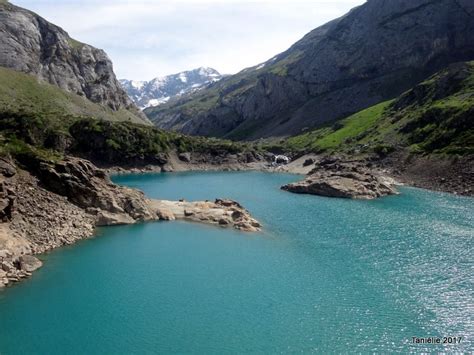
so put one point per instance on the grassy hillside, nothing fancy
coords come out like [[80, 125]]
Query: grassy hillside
[[436, 116], [23, 93], [105, 142], [41, 119]]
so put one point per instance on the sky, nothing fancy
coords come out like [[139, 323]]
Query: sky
[[150, 38]]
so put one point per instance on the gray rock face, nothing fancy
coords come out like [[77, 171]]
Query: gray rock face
[[374, 53], [32, 45]]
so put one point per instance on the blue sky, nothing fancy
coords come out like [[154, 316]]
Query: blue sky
[[149, 38]]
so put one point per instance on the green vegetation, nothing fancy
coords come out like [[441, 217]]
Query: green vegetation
[[434, 117], [119, 142], [19, 149], [25, 134], [281, 67], [351, 129], [103, 141], [25, 94], [203, 103]]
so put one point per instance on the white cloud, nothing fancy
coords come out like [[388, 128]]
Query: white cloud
[[148, 38]]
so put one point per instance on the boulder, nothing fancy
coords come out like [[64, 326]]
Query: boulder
[[105, 218], [224, 222], [308, 162], [5, 254], [186, 157], [165, 215], [7, 169], [7, 266], [29, 263], [167, 168], [189, 213], [281, 159], [227, 203]]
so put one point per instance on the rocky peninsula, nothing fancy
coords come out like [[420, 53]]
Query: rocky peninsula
[[58, 203]]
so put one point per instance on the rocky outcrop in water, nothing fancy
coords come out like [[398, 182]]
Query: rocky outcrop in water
[[333, 178], [224, 213], [32, 45], [374, 53]]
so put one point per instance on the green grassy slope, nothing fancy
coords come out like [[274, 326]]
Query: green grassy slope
[[24, 93], [436, 116], [42, 120]]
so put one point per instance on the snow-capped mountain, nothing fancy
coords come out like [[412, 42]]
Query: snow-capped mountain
[[161, 89]]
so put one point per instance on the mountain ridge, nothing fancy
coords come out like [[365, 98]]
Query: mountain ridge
[[372, 54], [161, 89]]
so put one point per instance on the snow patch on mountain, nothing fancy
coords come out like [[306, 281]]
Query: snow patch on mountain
[[138, 84], [161, 89]]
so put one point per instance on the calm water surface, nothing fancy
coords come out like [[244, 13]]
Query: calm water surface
[[326, 275]]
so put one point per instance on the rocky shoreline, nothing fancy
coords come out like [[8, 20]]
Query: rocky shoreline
[[52, 204], [58, 203]]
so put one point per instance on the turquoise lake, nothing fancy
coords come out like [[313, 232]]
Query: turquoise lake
[[325, 276]]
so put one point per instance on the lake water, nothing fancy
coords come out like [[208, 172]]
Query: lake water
[[325, 275]]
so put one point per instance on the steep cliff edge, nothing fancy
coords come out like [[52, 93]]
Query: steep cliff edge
[[32, 45], [374, 53]]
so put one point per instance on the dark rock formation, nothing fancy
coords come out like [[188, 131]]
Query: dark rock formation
[[374, 53], [32, 45], [333, 178]]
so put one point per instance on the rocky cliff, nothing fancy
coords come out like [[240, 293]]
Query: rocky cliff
[[374, 53], [32, 45]]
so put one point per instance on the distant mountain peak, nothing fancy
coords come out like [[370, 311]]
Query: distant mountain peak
[[161, 89]]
